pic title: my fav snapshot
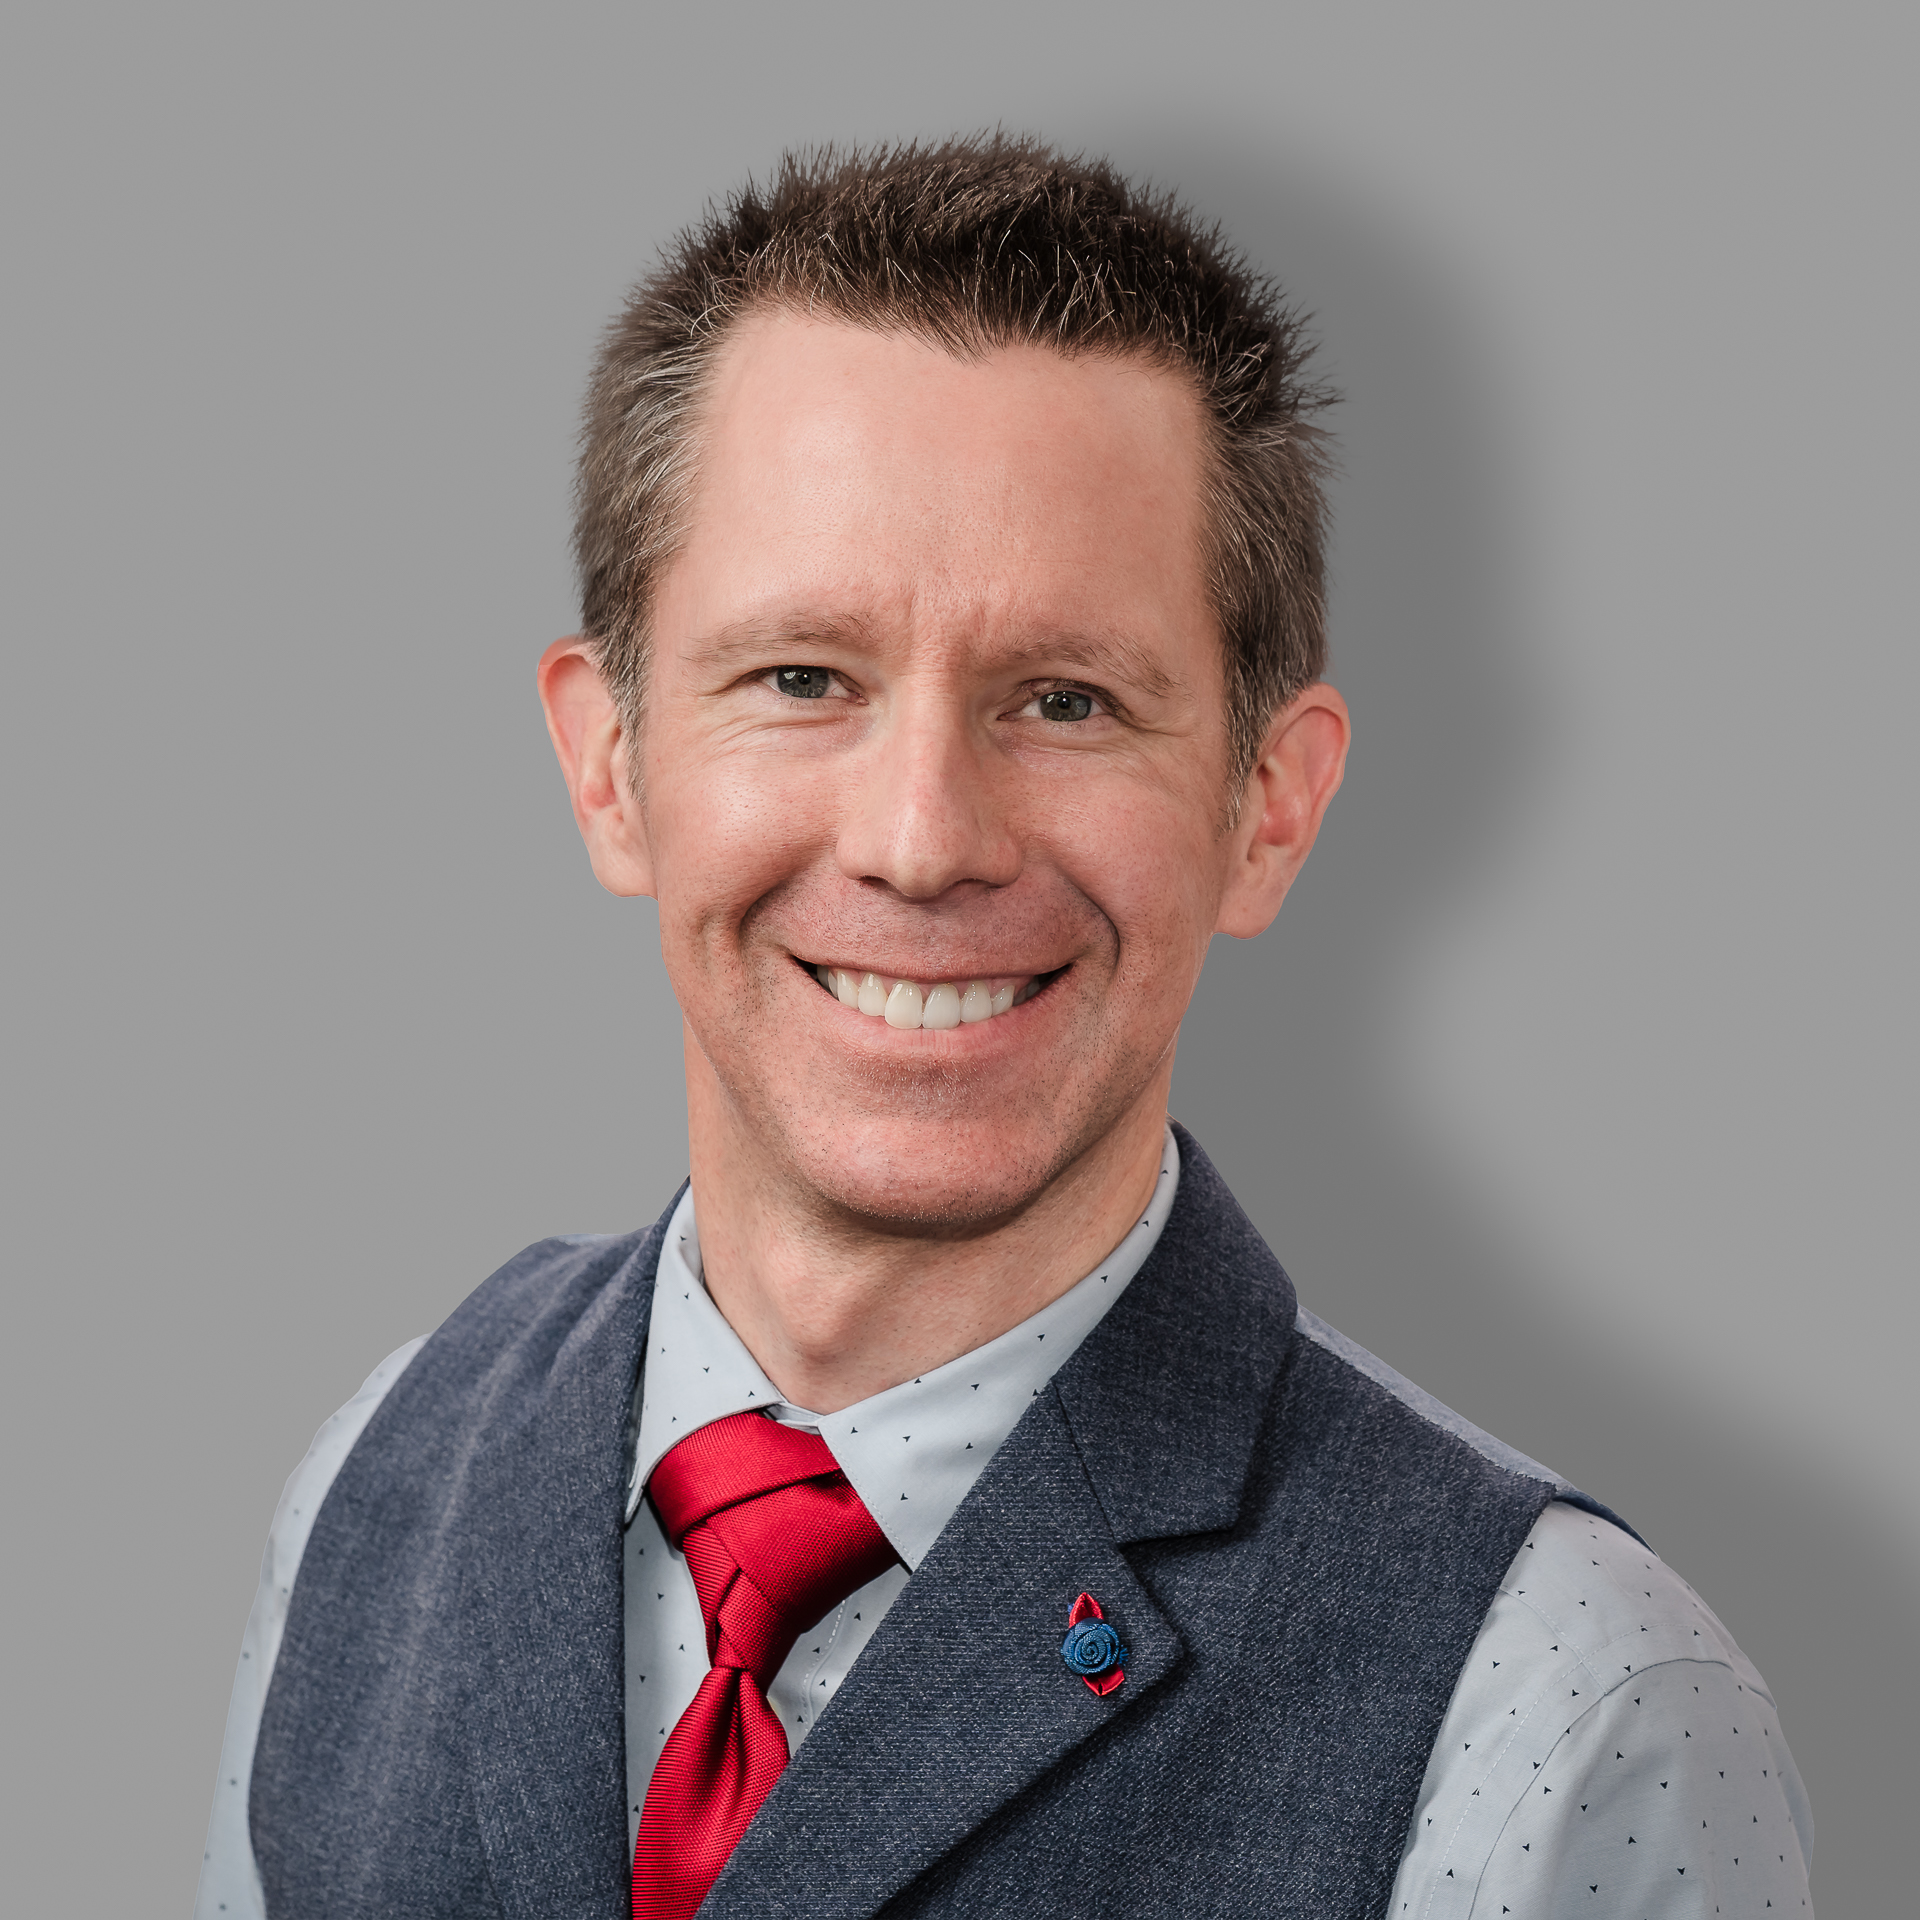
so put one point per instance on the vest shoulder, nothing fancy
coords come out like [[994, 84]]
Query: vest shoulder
[[551, 1275], [559, 1266], [1372, 1376], [523, 1314]]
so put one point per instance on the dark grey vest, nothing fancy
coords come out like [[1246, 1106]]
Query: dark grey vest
[[1297, 1550]]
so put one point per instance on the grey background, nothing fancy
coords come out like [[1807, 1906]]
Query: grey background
[[1578, 1077]]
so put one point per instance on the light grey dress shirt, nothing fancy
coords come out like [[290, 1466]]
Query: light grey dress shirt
[[1606, 1737]]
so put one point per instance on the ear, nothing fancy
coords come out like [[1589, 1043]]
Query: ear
[[584, 725], [1297, 774]]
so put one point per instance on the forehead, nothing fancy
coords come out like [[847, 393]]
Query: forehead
[[874, 479]]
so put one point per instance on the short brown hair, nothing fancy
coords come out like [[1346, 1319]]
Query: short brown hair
[[972, 245]]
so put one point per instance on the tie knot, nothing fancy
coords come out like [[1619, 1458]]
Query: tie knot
[[774, 1534], [736, 1459]]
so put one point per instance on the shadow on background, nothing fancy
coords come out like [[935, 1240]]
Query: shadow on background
[[1287, 1073]]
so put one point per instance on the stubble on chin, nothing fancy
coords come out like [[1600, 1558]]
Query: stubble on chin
[[921, 1152]]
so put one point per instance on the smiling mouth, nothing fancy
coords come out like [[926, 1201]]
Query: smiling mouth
[[933, 1004]]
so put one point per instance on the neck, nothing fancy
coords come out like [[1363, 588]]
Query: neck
[[836, 1307]]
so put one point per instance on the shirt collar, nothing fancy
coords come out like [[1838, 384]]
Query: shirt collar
[[912, 1452]]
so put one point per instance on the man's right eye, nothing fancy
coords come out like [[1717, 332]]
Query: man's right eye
[[804, 683]]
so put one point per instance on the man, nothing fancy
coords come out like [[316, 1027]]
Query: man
[[945, 1507]]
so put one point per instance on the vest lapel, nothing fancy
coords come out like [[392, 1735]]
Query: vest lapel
[[962, 1700], [541, 1609]]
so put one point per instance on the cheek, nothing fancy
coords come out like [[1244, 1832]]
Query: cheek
[[724, 833], [1152, 864]]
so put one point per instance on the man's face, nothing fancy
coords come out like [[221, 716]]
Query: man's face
[[937, 696]]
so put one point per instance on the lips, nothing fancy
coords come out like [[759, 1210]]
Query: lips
[[933, 1004]]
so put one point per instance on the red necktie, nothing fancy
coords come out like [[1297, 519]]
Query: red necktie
[[775, 1538]]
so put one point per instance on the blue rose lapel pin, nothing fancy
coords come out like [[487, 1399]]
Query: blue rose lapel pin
[[1092, 1648]]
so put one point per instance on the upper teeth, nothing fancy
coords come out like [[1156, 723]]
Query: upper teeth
[[908, 1004]]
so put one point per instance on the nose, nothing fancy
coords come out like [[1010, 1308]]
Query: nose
[[931, 806]]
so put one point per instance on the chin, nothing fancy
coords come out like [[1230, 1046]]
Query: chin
[[953, 1179]]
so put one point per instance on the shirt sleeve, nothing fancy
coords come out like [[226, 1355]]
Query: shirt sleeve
[[1669, 1798], [1608, 1750], [229, 1879]]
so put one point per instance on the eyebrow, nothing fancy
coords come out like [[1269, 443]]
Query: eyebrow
[[1102, 656], [746, 640]]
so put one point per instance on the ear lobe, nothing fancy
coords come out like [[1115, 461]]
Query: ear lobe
[[592, 747], [1299, 771]]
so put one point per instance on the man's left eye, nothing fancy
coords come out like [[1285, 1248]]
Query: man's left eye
[[804, 683], [1065, 703]]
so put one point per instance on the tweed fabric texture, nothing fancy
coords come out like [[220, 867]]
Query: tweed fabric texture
[[1296, 1559], [444, 1732]]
